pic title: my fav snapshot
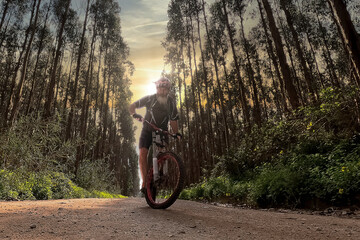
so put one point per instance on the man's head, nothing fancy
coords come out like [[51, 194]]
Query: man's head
[[163, 86]]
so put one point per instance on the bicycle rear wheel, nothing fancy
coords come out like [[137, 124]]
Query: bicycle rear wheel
[[163, 192]]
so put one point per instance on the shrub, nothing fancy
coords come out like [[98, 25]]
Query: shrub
[[41, 186]]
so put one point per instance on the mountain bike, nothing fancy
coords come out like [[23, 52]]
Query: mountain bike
[[165, 178]]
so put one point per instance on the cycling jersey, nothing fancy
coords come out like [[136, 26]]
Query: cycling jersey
[[156, 113]]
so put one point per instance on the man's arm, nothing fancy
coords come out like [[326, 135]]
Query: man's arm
[[132, 108], [138, 104]]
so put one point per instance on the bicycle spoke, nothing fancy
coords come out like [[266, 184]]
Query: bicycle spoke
[[164, 191]]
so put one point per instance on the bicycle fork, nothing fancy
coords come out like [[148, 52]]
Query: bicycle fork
[[164, 167]]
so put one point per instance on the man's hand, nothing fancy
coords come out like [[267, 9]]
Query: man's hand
[[137, 117]]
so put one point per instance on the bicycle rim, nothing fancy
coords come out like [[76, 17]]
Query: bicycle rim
[[163, 192]]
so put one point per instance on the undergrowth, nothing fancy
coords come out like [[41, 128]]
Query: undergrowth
[[20, 185], [36, 163], [311, 158]]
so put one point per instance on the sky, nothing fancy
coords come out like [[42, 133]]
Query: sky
[[143, 24]]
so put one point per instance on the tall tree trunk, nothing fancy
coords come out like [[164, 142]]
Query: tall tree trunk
[[348, 32], [221, 96], [289, 85], [18, 92], [251, 73], [211, 133], [17, 67], [76, 81], [50, 94], [270, 51], [261, 86], [85, 102], [196, 120], [307, 74], [322, 82], [209, 130], [230, 98], [4, 14], [33, 78], [243, 99], [7, 76], [299, 85], [197, 101], [329, 62]]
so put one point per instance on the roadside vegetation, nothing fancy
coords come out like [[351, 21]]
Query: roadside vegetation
[[311, 160], [37, 164]]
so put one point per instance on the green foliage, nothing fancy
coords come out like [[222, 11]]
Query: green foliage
[[313, 155], [105, 194], [38, 164], [217, 188], [95, 175], [36, 145], [41, 186]]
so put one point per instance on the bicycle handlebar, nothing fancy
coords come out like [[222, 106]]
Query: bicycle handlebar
[[158, 129]]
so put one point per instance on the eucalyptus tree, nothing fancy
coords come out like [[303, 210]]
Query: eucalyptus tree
[[348, 33], [210, 141], [88, 80], [290, 13], [42, 40], [11, 80], [194, 8], [285, 70], [212, 40], [18, 92], [177, 38], [239, 8], [271, 52], [243, 98], [12, 13], [77, 72], [62, 11], [323, 41]]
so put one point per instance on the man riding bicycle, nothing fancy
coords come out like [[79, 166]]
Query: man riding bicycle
[[160, 109]]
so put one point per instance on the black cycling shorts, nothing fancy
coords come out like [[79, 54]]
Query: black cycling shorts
[[146, 139]]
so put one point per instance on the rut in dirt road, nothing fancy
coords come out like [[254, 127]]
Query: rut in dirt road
[[132, 219]]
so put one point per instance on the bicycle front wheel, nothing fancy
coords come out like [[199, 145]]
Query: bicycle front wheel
[[162, 192]]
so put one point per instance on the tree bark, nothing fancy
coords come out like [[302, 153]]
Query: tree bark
[[80, 148], [348, 32], [300, 54], [50, 94], [33, 78], [210, 137], [18, 91], [251, 73], [270, 51], [243, 99], [289, 85]]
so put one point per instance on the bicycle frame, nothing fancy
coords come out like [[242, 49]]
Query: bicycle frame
[[158, 147], [165, 180]]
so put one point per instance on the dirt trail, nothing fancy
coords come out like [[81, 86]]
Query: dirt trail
[[132, 219]]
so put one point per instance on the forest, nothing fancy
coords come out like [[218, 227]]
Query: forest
[[65, 78], [267, 91], [269, 99]]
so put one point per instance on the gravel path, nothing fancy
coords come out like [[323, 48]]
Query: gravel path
[[131, 218]]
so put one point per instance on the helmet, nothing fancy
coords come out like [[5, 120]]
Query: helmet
[[163, 82]]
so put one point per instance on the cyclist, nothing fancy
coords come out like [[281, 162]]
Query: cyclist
[[160, 109]]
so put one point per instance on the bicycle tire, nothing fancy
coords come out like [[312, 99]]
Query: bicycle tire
[[151, 190]]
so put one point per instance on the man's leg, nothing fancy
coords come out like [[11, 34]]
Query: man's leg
[[143, 164]]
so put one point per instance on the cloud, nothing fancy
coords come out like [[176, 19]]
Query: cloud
[[143, 24]]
